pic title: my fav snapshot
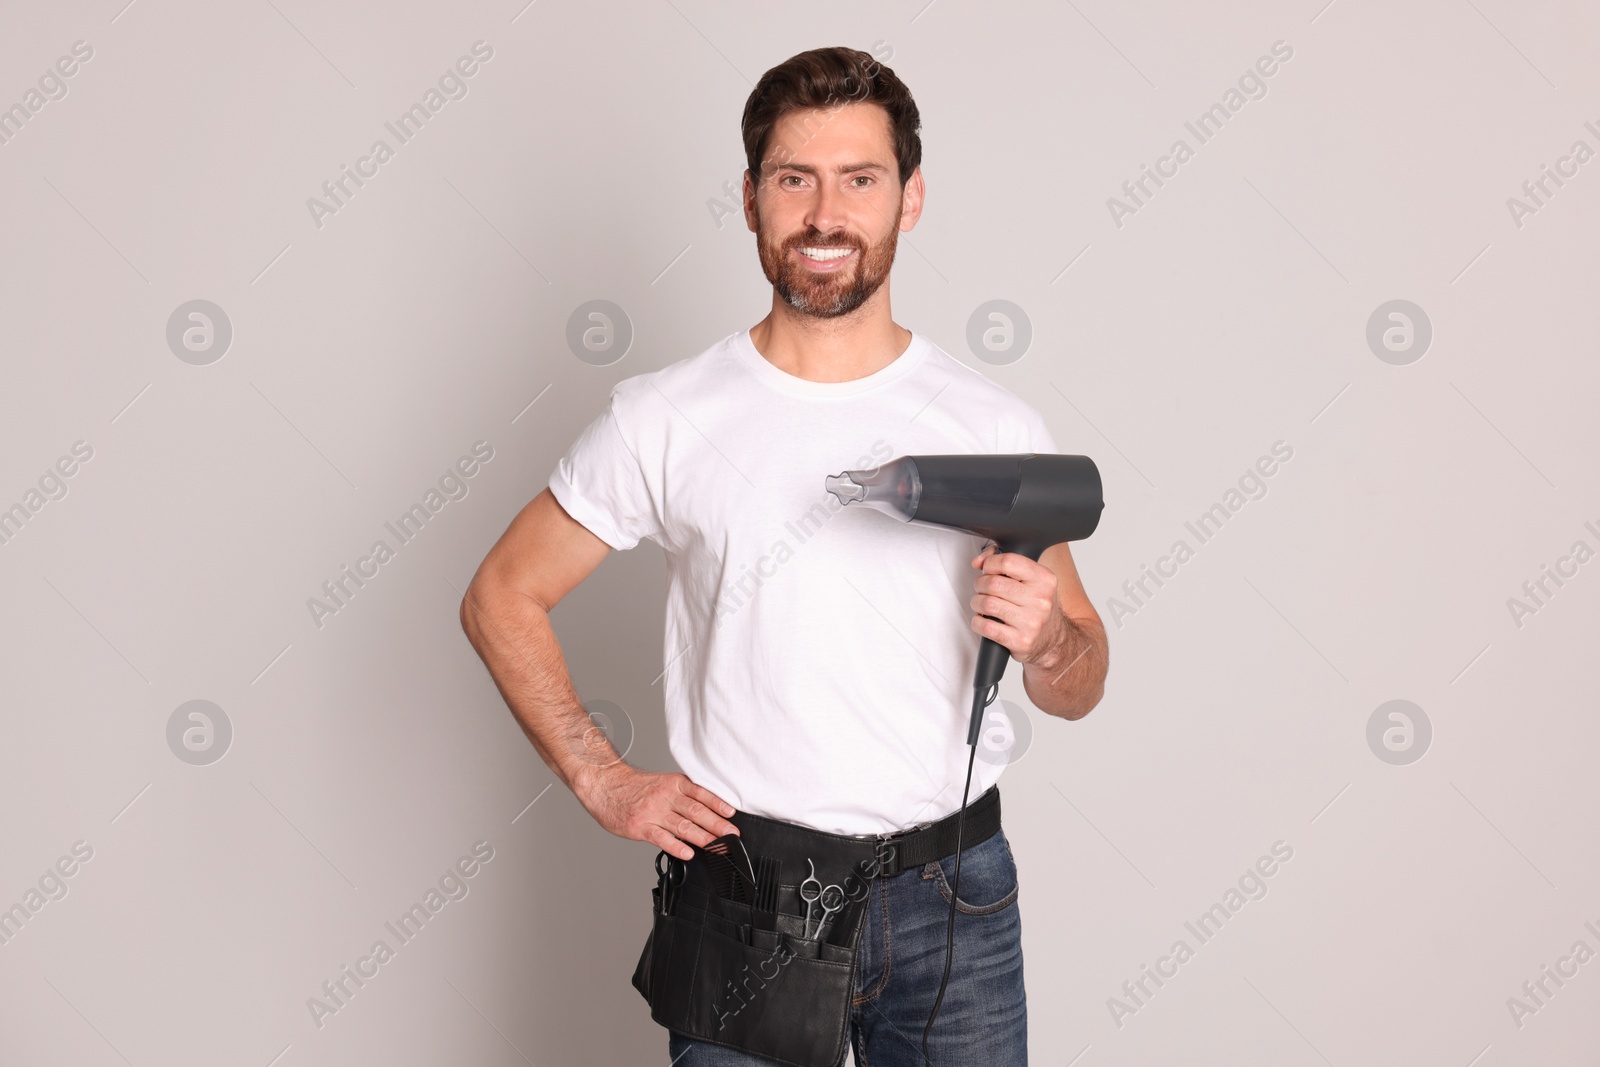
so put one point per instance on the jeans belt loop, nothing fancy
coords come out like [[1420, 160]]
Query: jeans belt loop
[[894, 866]]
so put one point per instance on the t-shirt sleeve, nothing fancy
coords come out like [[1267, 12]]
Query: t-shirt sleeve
[[1041, 439], [601, 483], [1028, 432]]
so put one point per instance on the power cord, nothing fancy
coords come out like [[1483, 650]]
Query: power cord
[[980, 701]]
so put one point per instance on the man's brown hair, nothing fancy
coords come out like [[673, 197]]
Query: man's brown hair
[[828, 78]]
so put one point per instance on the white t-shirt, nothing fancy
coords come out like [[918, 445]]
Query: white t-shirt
[[819, 658]]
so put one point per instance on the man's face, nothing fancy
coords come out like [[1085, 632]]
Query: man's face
[[829, 186]]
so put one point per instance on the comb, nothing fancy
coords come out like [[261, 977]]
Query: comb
[[768, 869], [728, 864]]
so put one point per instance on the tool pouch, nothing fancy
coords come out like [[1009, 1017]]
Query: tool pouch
[[721, 971]]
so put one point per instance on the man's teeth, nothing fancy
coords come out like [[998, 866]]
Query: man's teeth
[[826, 253]]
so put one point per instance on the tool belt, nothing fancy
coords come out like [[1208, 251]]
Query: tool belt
[[779, 982]]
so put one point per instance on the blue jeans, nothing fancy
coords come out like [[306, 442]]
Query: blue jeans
[[983, 1020]]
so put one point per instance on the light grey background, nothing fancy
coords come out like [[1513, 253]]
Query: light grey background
[[368, 354]]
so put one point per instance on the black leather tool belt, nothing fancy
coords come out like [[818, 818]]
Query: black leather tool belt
[[778, 981]]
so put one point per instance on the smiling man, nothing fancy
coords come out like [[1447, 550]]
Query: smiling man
[[817, 660]]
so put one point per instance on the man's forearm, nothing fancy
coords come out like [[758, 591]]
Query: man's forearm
[[513, 636], [1070, 682]]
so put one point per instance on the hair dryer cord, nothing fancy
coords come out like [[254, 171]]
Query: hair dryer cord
[[979, 702]]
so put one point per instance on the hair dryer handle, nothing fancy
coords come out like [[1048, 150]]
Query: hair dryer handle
[[992, 660], [992, 655]]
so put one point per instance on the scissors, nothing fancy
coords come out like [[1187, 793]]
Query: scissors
[[669, 879], [832, 901], [811, 891]]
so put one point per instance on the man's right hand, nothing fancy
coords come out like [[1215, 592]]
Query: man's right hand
[[666, 810]]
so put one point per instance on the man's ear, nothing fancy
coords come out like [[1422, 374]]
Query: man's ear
[[911, 199], [749, 200]]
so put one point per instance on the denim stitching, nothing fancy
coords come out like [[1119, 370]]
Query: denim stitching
[[932, 869], [888, 950]]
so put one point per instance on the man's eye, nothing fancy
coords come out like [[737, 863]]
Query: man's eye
[[861, 178]]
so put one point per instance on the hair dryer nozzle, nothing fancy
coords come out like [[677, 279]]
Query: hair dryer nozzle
[[894, 488], [845, 488]]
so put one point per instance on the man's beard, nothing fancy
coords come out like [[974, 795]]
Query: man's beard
[[826, 295]]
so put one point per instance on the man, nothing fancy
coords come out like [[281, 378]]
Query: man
[[819, 660]]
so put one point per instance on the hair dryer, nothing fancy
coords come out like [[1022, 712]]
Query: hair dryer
[[1023, 503]]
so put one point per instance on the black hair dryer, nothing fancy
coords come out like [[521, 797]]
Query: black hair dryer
[[1023, 503]]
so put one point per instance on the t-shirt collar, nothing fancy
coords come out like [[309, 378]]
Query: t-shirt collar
[[788, 383]]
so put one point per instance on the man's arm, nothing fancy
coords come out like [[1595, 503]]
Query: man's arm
[[1070, 681], [542, 557], [1048, 624]]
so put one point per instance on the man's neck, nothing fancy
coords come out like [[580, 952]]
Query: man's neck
[[830, 350]]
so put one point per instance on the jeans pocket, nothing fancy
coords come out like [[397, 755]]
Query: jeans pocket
[[988, 881]]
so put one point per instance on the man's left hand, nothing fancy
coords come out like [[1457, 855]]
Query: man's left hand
[[1022, 595]]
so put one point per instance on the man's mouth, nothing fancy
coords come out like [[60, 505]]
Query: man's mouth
[[824, 255]]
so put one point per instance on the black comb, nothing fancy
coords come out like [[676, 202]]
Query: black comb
[[732, 876], [768, 869]]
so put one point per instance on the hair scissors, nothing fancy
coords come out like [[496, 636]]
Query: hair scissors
[[669, 879], [832, 901], [811, 891]]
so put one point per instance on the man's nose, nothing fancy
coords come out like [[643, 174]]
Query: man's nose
[[827, 213]]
